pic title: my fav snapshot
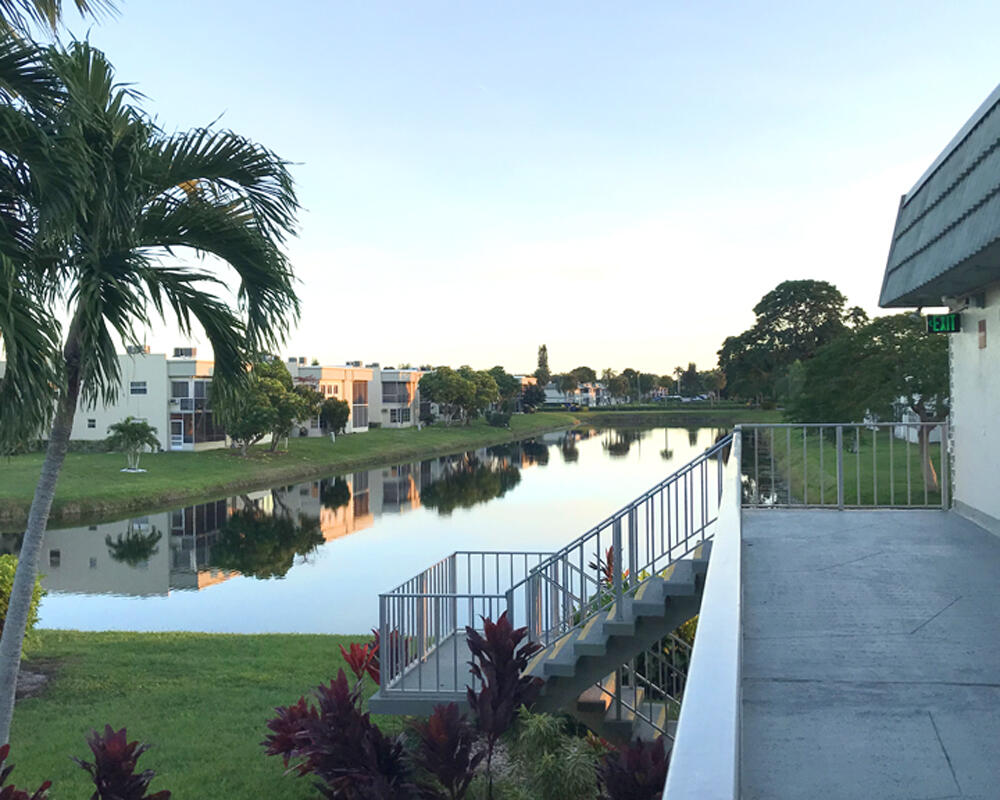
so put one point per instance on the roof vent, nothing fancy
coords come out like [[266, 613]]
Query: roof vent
[[185, 352]]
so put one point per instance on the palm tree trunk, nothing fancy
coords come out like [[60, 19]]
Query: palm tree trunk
[[16, 621]]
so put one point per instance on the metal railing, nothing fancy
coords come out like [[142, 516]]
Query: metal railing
[[422, 621], [599, 569], [846, 465]]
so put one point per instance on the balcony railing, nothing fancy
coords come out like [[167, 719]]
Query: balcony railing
[[846, 465]]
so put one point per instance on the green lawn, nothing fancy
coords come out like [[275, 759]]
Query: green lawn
[[91, 483], [201, 700], [874, 473], [701, 416]]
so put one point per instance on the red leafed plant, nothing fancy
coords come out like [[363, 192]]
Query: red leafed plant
[[445, 750], [11, 792], [340, 745], [636, 771], [113, 770], [499, 665], [397, 653], [606, 568], [362, 659]]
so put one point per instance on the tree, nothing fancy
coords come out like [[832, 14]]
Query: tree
[[647, 382], [617, 386], [873, 369], [533, 396], [631, 378], [483, 392], [584, 375], [793, 321], [247, 415], [288, 407], [666, 382], [508, 386], [542, 373], [334, 414], [446, 388], [131, 436], [567, 383], [98, 194], [264, 546], [713, 381]]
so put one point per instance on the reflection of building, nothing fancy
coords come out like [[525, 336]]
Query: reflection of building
[[173, 551]]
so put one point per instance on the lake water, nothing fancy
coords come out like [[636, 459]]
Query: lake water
[[312, 558]]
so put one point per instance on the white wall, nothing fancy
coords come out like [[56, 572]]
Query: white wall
[[975, 412], [151, 406]]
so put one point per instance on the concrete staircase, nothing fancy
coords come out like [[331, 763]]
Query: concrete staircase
[[581, 669]]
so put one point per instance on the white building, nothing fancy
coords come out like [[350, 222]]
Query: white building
[[946, 253]]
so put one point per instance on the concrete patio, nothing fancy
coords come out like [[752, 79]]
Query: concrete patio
[[871, 656]]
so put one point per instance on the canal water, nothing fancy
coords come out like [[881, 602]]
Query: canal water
[[312, 558]]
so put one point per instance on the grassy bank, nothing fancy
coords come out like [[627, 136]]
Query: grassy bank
[[201, 700], [91, 484]]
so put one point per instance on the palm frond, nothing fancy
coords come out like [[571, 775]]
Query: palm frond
[[266, 292], [24, 75], [18, 16], [30, 339], [227, 168]]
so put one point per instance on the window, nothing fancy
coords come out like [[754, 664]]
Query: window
[[361, 393], [91, 423], [93, 562], [393, 415], [54, 558], [336, 390], [178, 389], [137, 387], [396, 392], [199, 389], [404, 415]]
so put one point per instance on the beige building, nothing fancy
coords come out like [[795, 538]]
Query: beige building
[[350, 382]]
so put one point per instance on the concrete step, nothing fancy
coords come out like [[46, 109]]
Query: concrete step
[[679, 579], [621, 728], [597, 697]]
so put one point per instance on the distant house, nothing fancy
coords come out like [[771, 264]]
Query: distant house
[[945, 252]]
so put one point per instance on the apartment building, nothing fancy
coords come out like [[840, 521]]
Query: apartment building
[[351, 382], [395, 393]]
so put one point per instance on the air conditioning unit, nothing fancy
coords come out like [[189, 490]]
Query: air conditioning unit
[[185, 352], [137, 349]]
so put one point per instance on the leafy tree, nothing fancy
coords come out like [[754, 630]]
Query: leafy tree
[[873, 369], [131, 436], [470, 483], [508, 386], [334, 413], [542, 373], [617, 386], [288, 406], [793, 321], [533, 396], [712, 381], [666, 382], [247, 415], [584, 375], [647, 382], [95, 193], [483, 391], [312, 401], [567, 383]]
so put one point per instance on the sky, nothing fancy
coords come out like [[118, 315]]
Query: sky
[[620, 181]]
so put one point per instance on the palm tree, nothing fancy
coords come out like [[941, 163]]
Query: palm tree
[[131, 436], [128, 196]]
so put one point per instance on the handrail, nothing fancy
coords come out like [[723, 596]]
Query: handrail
[[705, 762], [846, 465], [555, 595]]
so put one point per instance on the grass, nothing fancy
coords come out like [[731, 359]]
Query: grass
[[701, 416], [880, 463], [92, 485], [201, 700]]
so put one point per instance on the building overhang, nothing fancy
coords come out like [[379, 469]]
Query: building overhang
[[946, 241]]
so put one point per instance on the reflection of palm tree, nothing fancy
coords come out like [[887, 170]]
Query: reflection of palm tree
[[568, 448], [693, 437], [666, 453], [535, 451], [618, 442], [133, 547]]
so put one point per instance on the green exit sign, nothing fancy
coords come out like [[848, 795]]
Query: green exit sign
[[944, 323]]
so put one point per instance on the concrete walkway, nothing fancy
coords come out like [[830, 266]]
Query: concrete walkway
[[871, 656]]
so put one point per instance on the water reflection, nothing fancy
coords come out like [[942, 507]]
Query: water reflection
[[264, 534], [286, 559]]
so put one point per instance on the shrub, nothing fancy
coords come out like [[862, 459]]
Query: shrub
[[498, 419], [499, 665], [113, 770], [551, 763], [9, 791], [637, 771], [8, 566], [338, 744], [445, 750]]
